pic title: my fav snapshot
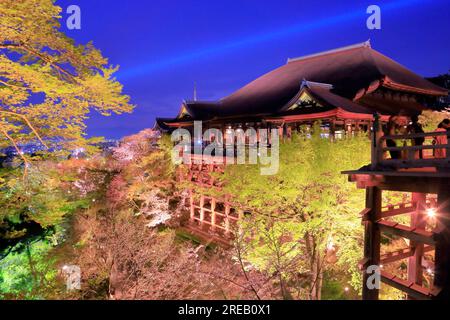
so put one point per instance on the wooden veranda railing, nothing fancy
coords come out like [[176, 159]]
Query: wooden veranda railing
[[409, 153]]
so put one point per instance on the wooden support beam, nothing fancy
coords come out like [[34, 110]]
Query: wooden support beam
[[413, 290], [191, 207], [416, 163], [396, 255], [206, 237], [376, 145], [442, 253], [403, 181], [333, 129], [202, 209], [401, 254], [230, 217], [227, 218], [415, 270], [371, 239], [213, 214], [363, 264], [413, 234], [395, 211], [364, 214]]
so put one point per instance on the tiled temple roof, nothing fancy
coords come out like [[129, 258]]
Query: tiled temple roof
[[353, 72]]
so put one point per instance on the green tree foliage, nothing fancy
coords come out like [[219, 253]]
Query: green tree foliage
[[49, 84], [431, 119], [305, 218], [28, 272], [34, 221], [40, 199]]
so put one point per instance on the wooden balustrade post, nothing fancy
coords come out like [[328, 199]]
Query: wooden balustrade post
[[213, 214], [415, 270], [376, 148], [191, 203], [227, 218], [202, 210], [333, 129]]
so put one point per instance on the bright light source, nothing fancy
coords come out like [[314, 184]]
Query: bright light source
[[430, 271], [346, 289], [431, 212], [381, 266]]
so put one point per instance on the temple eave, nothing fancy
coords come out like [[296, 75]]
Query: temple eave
[[391, 84]]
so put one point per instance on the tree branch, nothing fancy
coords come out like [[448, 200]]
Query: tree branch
[[39, 55], [25, 160], [24, 118]]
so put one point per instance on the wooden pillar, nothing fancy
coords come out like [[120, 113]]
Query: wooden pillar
[[348, 128], [213, 214], [332, 129], [415, 270], [288, 132], [227, 218], [376, 146], [281, 132], [191, 205], [269, 133], [358, 126], [371, 239], [442, 256], [202, 210]]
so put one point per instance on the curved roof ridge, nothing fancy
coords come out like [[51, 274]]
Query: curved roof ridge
[[200, 101], [365, 44]]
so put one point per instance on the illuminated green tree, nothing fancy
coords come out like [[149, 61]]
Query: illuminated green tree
[[49, 84], [304, 219]]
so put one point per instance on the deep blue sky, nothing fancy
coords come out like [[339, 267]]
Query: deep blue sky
[[164, 46]]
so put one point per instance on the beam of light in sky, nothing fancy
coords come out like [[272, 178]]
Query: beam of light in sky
[[214, 49]]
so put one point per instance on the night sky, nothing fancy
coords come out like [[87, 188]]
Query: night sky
[[163, 47]]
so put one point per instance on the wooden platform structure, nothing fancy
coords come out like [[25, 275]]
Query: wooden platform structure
[[211, 218], [342, 88], [428, 180]]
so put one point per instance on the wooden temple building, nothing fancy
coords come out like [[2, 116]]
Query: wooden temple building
[[427, 234], [343, 89]]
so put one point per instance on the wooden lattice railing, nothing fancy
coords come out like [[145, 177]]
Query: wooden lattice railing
[[409, 153]]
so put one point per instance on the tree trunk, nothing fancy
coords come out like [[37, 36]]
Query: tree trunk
[[316, 268]]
